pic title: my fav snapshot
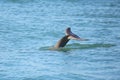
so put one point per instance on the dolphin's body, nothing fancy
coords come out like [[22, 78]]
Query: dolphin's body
[[64, 40]]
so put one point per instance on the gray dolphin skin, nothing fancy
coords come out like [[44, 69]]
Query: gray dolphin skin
[[64, 40]]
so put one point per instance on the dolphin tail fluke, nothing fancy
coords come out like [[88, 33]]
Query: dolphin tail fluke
[[72, 35]]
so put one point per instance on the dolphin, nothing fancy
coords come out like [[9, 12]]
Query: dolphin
[[69, 35]]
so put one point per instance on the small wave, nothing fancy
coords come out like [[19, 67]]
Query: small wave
[[19, 1], [88, 46], [78, 46]]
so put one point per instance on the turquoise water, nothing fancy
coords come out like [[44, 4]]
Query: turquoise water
[[29, 28]]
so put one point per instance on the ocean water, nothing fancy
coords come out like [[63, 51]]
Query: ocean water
[[29, 28]]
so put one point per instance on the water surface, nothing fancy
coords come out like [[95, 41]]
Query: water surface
[[29, 28]]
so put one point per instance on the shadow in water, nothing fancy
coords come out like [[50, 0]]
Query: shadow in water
[[75, 46]]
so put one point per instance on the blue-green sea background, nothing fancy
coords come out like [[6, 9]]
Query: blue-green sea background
[[29, 28]]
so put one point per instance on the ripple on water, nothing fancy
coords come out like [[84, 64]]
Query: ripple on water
[[27, 25], [69, 76], [77, 46]]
